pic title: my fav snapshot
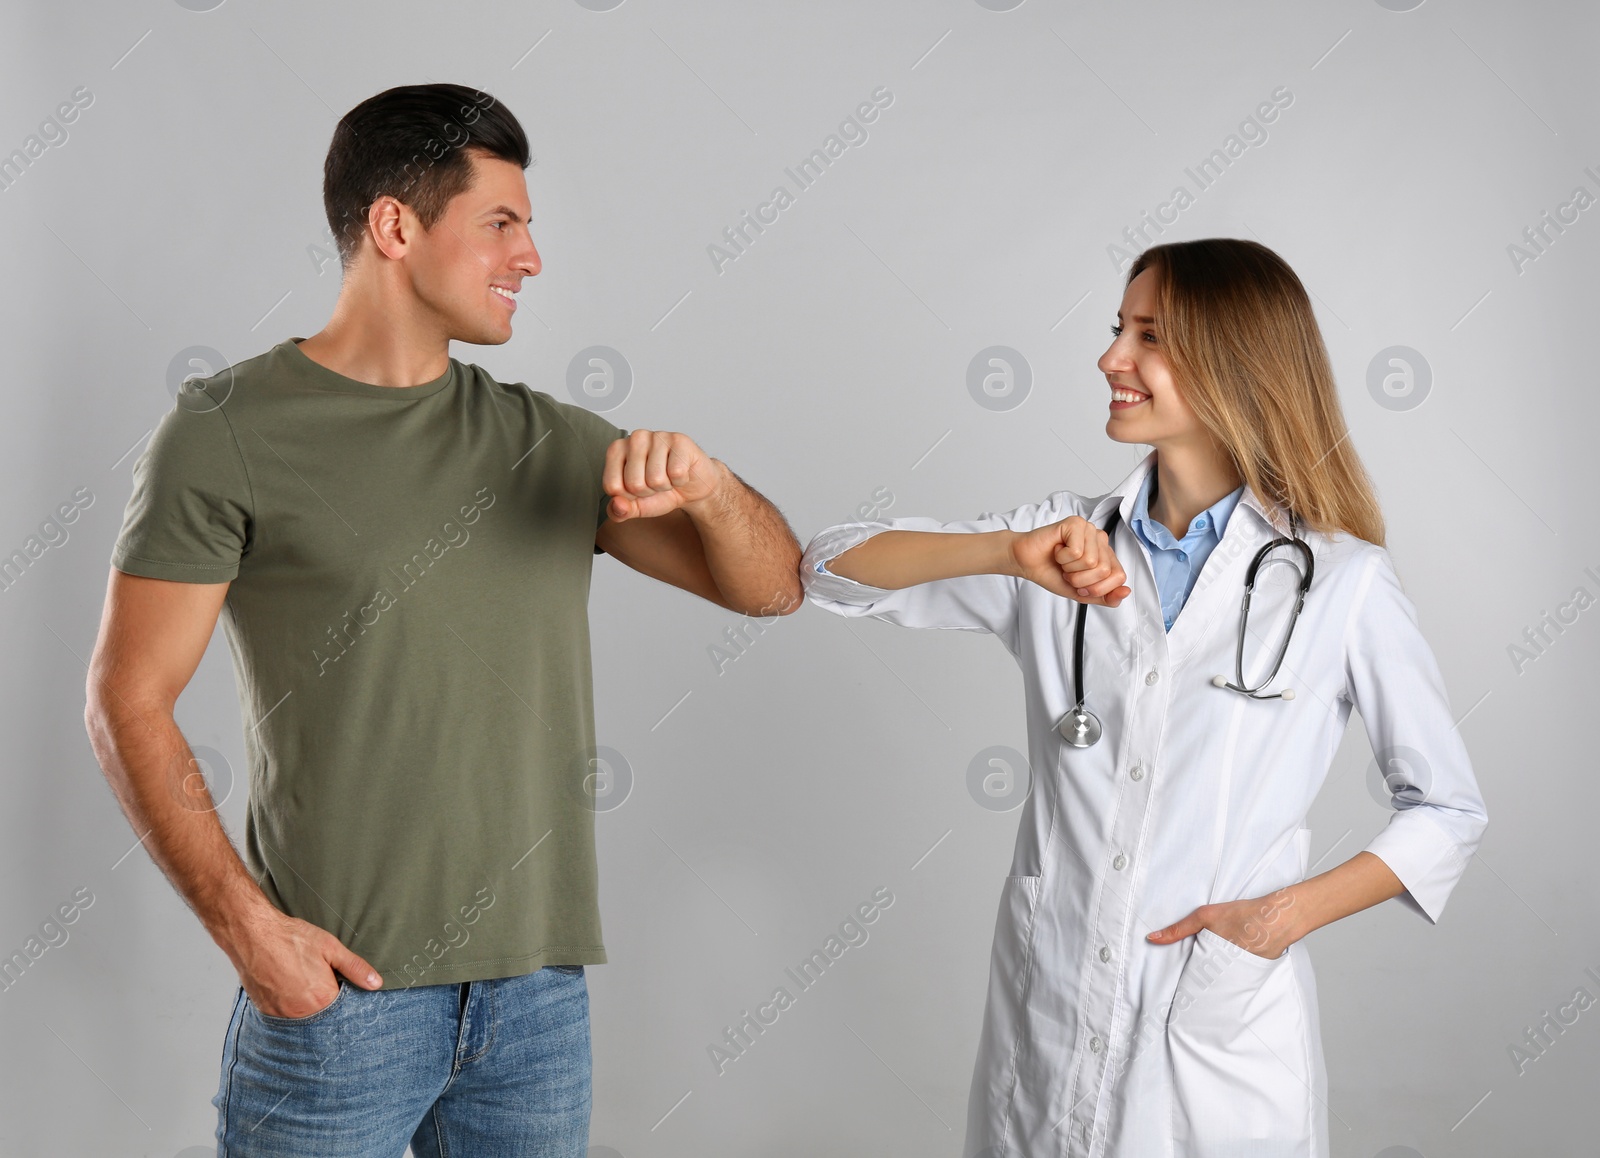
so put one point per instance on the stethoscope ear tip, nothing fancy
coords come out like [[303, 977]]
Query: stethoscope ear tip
[[1222, 682]]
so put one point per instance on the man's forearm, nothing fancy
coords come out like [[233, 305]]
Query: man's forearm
[[895, 559], [151, 770], [749, 547]]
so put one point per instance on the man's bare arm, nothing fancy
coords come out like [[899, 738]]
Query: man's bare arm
[[153, 633], [678, 515]]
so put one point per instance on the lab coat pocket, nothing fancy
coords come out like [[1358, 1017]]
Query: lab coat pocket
[[1005, 1013], [1236, 1034], [1011, 959]]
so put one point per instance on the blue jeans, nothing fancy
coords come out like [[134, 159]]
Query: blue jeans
[[494, 1069]]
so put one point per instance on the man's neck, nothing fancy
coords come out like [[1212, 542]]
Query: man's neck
[[376, 346]]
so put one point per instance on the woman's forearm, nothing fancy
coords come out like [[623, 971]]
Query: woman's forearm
[[895, 559], [1358, 883]]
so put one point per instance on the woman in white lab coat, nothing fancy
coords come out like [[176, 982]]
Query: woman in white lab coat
[[1148, 992]]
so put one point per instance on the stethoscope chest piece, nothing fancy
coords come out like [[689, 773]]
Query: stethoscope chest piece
[[1079, 728]]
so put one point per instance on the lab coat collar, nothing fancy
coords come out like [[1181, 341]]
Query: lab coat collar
[[1125, 497]]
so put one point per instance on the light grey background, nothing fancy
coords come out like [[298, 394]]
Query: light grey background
[[828, 365]]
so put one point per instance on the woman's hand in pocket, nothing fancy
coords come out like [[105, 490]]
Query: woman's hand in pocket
[[1264, 926]]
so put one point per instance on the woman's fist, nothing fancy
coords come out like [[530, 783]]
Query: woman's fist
[[1072, 558]]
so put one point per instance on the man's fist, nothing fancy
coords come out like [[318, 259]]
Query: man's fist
[[1071, 558], [653, 472]]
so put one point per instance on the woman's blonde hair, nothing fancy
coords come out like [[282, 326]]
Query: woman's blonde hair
[[1245, 350]]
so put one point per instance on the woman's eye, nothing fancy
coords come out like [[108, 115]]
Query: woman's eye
[[1150, 334], [1116, 330]]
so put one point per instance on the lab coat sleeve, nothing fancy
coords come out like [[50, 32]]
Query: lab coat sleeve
[[1393, 680], [964, 603]]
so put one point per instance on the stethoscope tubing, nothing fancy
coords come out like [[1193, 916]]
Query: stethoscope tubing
[[1080, 728]]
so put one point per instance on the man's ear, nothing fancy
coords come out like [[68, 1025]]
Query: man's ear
[[391, 226]]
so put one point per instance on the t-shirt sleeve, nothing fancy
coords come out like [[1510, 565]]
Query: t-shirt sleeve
[[189, 516], [596, 434], [605, 499]]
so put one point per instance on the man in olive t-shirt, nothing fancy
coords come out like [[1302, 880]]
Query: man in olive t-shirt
[[399, 548], [409, 572]]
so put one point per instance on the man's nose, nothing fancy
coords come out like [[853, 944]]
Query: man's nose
[[528, 259]]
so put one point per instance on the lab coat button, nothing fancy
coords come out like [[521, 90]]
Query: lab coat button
[[1094, 1045], [1120, 862], [1152, 677], [1137, 773], [1105, 953]]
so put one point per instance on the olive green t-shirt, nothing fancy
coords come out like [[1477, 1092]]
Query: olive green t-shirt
[[408, 617]]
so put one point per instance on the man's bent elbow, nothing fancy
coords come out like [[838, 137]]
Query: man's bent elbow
[[786, 600]]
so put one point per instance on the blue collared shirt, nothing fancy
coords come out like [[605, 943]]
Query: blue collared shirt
[[1177, 562]]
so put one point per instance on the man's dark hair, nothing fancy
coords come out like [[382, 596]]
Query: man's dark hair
[[412, 144]]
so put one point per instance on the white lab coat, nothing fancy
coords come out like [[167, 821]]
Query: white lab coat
[[1096, 1042]]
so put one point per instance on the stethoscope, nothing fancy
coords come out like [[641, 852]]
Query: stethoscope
[[1080, 727]]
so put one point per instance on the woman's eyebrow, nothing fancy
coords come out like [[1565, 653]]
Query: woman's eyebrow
[[1137, 317]]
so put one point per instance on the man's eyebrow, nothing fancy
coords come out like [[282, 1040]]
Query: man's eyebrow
[[1137, 318], [507, 210]]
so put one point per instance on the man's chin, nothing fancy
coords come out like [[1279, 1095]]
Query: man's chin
[[483, 336]]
